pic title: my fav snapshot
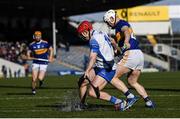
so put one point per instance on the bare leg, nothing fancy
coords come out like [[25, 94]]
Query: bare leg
[[41, 75], [132, 80], [120, 70], [83, 88], [34, 79], [101, 83], [118, 83]]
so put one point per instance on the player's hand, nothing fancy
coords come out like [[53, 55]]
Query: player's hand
[[126, 45], [51, 59], [86, 74], [113, 41]]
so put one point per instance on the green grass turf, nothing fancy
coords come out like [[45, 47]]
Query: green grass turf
[[16, 99]]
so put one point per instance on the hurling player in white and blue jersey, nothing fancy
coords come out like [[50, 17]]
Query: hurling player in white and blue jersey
[[101, 67], [39, 49], [133, 59]]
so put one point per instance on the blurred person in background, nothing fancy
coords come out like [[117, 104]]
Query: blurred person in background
[[4, 71], [39, 49]]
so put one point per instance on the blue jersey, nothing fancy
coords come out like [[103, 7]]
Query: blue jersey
[[121, 37], [40, 50]]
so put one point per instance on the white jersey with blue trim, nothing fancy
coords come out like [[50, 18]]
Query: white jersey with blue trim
[[101, 44]]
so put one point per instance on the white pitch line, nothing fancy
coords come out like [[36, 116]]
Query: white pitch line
[[29, 98], [170, 95], [22, 110], [47, 110], [45, 97]]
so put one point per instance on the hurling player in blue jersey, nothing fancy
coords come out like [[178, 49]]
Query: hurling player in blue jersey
[[133, 59], [39, 49], [101, 67]]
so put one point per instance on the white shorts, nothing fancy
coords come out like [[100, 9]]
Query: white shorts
[[133, 59], [39, 67]]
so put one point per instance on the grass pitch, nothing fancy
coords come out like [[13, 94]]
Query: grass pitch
[[58, 92]]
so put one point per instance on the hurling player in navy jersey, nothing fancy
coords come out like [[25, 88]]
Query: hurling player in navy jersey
[[39, 49], [133, 59]]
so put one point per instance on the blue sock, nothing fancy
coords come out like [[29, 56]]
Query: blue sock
[[113, 99]]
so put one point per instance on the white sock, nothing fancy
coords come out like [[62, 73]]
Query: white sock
[[130, 95], [118, 101]]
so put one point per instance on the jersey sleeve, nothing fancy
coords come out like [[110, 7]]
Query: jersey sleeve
[[94, 46], [47, 45], [121, 24]]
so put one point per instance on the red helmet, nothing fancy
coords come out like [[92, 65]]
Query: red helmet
[[85, 25]]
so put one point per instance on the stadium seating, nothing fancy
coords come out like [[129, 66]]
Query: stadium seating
[[75, 56]]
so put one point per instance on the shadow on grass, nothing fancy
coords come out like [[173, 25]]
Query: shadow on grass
[[76, 107], [28, 87], [19, 93], [48, 87]]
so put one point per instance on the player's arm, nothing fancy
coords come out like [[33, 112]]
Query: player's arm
[[28, 56], [127, 35], [115, 45], [94, 47], [51, 54], [92, 60]]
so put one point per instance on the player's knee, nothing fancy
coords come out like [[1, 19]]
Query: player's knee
[[132, 83], [33, 80], [40, 78], [118, 75]]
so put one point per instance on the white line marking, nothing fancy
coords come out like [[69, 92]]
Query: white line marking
[[47, 110], [28, 98], [23, 110], [170, 95], [46, 97]]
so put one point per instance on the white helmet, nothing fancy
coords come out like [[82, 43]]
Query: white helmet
[[108, 15]]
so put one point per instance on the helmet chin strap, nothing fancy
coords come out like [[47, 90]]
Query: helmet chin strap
[[115, 20], [89, 34]]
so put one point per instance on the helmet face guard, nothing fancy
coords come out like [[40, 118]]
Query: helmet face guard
[[84, 26], [108, 16]]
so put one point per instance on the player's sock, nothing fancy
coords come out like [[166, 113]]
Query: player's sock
[[128, 94], [40, 83], [149, 103], [115, 100], [146, 99]]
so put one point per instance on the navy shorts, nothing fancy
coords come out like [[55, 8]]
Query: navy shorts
[[107, 75]]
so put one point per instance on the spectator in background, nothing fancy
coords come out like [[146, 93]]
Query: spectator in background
[[15, 74], [10, 73], [12, 51], [4, 71], [19, 73]]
